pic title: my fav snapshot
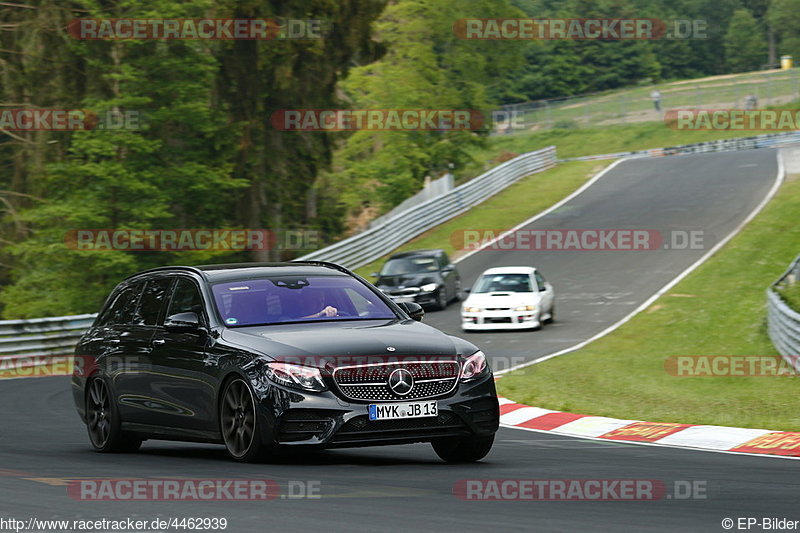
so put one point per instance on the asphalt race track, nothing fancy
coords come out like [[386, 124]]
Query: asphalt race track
[[406, 488], [711, 193]]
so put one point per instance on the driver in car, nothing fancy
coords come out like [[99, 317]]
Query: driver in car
[[317, 298]]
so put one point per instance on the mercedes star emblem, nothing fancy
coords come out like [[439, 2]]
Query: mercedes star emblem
[[401, 381]]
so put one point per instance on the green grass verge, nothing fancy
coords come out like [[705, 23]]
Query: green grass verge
[[719, 309], [506, 209]]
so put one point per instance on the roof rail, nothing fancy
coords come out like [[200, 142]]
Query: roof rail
[[192, 269], [328, 264]]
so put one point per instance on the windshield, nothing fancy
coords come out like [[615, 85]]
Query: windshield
[[409, 265], [504, 283], [280, 299]]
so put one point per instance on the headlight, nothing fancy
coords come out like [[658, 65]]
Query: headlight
[[430, 287], [468, 309], [474, 367], [525, 308], [299, 377]]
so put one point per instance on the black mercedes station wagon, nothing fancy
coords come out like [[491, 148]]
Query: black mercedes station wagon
[[267, 357]]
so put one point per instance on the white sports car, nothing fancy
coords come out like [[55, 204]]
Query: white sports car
[[508, 298]]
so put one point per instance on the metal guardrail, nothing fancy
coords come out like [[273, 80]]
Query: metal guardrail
[[369, 245], [783, 322], [42, 336], [769, 140]]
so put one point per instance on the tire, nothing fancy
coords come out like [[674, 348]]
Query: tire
[[540, 321], [238, 423], [463, 449], [441, 300], [552, 314], [457, 295], [103, 421]]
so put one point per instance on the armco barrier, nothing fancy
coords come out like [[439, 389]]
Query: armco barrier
[[42, 336], [783, 322], [369, 245], [769, 140]]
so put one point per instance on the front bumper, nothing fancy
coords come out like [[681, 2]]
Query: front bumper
[[422, 298], [488, 320], [326, 421]]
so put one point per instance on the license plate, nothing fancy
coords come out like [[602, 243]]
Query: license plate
[[393, 411]]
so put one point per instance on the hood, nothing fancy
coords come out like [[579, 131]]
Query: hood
[[502, 299], [320, 343], [407, 280]]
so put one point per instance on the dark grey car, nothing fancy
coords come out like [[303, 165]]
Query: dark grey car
[[426, 277]]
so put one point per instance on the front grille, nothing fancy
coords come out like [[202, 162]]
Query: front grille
[[498, 309], [381, 393], [411, 291], [371, 382]]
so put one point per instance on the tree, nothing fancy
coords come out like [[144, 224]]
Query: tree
[[784, 17], [745, 44], [426, 66]]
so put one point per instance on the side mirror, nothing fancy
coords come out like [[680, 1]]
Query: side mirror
[[376, 274], [413, 309], [465, 291], [449, 268], [182, 323]]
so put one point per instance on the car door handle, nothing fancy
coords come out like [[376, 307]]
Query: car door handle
[[158, 342], [114, 341]]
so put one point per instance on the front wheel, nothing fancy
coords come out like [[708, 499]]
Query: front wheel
[[441, 300], [457, 295], [103, 421], [239, 423], [463, 449], [552, 317]]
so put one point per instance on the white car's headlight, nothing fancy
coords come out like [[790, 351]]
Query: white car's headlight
[[471, 309], [299, 377], [525, 308], [430, 287], [474, 367]]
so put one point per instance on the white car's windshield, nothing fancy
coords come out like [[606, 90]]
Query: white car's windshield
[[503, 283], [281, 299]]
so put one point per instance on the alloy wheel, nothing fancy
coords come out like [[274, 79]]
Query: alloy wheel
[[99, 413], [238, 418]]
